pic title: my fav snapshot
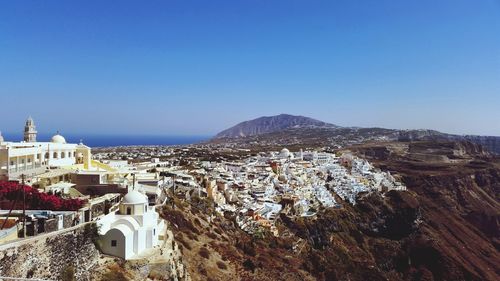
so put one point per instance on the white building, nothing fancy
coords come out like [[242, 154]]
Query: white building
[[31, 157], [132, 229], [285, 154]]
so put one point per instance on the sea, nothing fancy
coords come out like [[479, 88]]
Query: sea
[[116, 140]]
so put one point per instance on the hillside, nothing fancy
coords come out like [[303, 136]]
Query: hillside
[[445, 227], [271, 124]]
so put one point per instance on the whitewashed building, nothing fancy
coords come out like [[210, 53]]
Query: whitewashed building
[[30, 157], [132, 229]]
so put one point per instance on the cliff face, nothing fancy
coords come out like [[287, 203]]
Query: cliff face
[[458, 235], [445, 227], [489, 142], [270, 124]]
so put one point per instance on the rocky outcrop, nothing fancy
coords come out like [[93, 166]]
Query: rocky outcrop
[[68, 256]]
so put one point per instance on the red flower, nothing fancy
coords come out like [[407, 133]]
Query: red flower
[[36, 200]]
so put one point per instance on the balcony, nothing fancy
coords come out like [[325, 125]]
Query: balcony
[[28, 170]]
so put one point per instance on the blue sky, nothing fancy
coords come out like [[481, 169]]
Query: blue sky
[[197, 67]]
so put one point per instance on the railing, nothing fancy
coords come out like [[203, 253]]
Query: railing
[[30, 239], [102, 166], [26, 169]]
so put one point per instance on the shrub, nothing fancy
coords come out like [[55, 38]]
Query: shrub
[[202, 270], [221, 265], [249, 265], [184, 243], [115, 273], [212, 235], [115, 276], [68, 273], [203, 252]]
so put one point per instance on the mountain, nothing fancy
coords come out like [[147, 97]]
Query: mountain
[[270, 124], [289, 130]]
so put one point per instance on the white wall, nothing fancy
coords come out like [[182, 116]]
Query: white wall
[[124, 246]]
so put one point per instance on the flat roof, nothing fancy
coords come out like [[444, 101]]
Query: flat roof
[[61, 184], [54, 173]]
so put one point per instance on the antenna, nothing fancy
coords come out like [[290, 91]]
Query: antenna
[[24, 206]]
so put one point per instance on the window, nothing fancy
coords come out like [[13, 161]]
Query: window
[[129, 211], [55, 155], [63, 155], [29, 160], [113, 243], [154, 231], [12, 163], [47, 155]]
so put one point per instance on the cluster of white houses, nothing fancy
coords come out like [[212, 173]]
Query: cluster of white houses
[[127, 228], [262, 187]]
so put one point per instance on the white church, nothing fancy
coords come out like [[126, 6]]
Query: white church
[[31, 157], [132, 229]]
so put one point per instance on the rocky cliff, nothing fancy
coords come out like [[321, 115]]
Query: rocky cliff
[[489, 142]]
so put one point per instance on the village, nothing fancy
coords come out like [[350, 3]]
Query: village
[[259, 188]]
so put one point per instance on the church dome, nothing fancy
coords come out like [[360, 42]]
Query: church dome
[[58, 139], [285, 153], [134, 197]]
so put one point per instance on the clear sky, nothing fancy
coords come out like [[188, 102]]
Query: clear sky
[[197, 67]]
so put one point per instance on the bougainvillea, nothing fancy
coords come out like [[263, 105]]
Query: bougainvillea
[[36, 200]]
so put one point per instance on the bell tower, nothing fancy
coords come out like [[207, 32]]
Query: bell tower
[[30, 131]]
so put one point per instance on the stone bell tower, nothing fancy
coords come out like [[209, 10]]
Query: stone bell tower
[[30, 131]]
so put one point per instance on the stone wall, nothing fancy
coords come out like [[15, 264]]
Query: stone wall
[[72, 255], [98, 209], [57, 257], [68, 220]]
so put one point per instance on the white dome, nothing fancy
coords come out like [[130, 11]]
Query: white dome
[[135, 197], [285, 153], [58, 139]]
